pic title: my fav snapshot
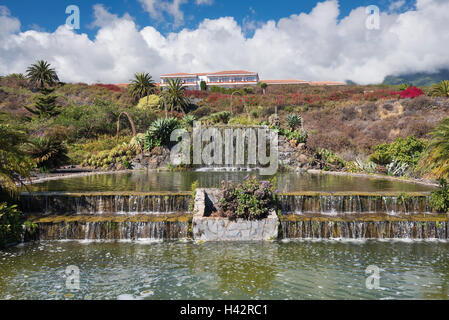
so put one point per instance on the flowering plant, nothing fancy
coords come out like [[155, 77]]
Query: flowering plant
[[252, 199]]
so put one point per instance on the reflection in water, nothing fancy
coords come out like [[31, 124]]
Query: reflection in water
[[144, 181], [186, 270]]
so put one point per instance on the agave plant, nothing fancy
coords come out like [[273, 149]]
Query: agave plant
[[440, 89], [188, 120], [397, 168], [41, 74], [293, 121], [158, 134], [436, 161], [48, 153]]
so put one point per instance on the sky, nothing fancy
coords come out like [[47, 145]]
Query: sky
[[309, 40]]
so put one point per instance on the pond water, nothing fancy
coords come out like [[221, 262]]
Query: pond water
[[146, 181], [187, 270]]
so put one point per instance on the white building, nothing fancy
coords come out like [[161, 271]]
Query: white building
[[225, 79]]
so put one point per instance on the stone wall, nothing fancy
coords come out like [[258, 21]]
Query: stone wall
[[207, 228]]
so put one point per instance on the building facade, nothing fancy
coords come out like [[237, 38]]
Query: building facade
[[224, 79]]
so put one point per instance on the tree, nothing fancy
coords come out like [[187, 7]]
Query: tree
[[264, 86], [203, 85], [41, 74], [440, 89], [142, 85], [436, 160], [15, 165], [174, 95], [45, 106]]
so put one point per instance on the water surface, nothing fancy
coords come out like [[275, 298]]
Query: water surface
[[147, 181], [186, 270]]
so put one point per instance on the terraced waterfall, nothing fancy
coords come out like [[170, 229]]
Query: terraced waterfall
[[167, 215]]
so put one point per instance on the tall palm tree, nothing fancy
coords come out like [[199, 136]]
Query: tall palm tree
[[441, 89], [174, 95], [41, 74], [142, 85], [437, 154], [15, 165]]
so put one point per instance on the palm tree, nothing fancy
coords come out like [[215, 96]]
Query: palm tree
[[141, 85], [440, 89], [41, 74], [174, 95], [264, 86], [15, 165], [437, 154]]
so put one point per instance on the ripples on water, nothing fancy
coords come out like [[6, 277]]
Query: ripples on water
[[187, 270]]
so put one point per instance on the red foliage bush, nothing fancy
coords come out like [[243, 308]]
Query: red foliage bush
[[111, 87], [410, 92]]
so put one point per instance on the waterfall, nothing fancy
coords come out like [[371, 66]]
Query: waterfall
[[109, 230], [102, 203], [337, 204], [365, 229]]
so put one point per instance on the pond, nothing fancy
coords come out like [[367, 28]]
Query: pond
[[187, 270], [146, 181]]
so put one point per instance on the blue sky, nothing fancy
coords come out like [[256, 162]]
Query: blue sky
[[47, 15], [327, 40]]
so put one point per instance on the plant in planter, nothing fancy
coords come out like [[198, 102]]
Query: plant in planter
[[252, 199]]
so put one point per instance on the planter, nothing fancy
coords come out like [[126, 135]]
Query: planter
[[208, 228]]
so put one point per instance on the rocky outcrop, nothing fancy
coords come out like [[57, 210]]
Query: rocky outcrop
[[159, 157], [291, 155]]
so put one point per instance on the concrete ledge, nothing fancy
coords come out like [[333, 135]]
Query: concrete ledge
[[208, 228]]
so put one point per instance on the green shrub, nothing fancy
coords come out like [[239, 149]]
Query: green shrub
[[48, 153], [158, 134], [150, 102], [402, 150], [10, 224], [252, 199], [293, 121], [218, 117], [439, 200], [188, 120]]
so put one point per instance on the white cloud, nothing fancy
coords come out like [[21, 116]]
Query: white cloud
[[205, 2], [156, 9], [311, 46]]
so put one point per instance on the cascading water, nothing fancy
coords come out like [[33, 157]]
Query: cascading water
[[332, 205], [365, 229], [65, 203]]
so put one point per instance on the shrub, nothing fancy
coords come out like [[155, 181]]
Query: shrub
[[252, 199], [439, 199], [188, 120], [158, 134], [436, 160], [218, 117], [149, 103], [402, 150], [111, 87], [120, 154], [293, 121], [48, 153], [410, 92], [10, 224], [440, 89]]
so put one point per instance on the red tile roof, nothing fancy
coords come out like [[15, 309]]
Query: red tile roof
[[287, 81], [231, 72], [178, 74], [327, 83]]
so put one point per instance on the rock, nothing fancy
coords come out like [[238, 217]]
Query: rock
[[274, 120], [303, 159], [301, 146]]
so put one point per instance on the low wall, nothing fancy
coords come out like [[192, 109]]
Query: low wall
[[208, 228]]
